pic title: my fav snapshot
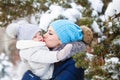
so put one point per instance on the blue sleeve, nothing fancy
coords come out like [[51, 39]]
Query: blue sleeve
[[28, 75]]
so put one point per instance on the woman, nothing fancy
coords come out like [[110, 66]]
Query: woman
[[61, 32]]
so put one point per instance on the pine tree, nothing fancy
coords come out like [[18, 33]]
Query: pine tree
[[14, 9], [97, 68]]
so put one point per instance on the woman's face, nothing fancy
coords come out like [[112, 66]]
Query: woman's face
[[51, 39]]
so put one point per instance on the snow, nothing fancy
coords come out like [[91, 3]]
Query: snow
[[73, 14], [1, 23], [55, 11], [97, 5], [96, 28], [89, 56], [102, 38], [5, 67], [94, 13], [110, 24], [78, 7], [113, 60], [35, 19], [102, 17], [44, 21], [113, 8], [117, 42]]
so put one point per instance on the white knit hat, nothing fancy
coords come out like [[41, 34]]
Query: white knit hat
[[12, 30], [22, 31]]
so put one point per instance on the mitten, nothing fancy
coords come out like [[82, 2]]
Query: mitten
[[62, 54]]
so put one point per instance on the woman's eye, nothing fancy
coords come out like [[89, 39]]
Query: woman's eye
[[50, 33]]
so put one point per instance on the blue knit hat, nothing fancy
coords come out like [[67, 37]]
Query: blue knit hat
[[67, 31]]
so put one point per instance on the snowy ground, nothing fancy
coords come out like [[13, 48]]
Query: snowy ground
[[6, 68]]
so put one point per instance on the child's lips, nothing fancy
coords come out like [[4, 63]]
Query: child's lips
[[43, 40]]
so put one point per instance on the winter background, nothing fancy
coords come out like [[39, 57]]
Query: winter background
[[42, 19]]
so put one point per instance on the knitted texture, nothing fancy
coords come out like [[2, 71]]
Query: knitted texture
[[22, 31], [87, 34], [67, 31], [27, 31]]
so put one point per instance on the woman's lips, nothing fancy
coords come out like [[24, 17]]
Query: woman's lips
[[43, 40]]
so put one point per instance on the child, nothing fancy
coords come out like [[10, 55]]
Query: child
[[34, 53]]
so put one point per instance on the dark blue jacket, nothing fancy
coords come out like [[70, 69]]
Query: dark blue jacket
[[66, 70]]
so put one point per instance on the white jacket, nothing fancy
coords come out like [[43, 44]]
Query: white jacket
[[38, 57]]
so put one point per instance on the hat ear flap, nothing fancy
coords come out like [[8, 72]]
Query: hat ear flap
[[12, 30], [87, 34]]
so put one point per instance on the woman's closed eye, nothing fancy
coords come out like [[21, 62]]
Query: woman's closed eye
[[50, 33]]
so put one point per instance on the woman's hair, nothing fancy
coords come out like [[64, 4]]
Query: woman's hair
[[87, 34]]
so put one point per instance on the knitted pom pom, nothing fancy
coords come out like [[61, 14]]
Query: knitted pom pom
[[12, 30], [87, 34]]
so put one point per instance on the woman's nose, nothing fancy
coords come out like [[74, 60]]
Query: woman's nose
[[44, 35]]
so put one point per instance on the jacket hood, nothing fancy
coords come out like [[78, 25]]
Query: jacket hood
[[24, 44]]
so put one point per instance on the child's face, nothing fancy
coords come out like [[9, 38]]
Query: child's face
[[38, 37]]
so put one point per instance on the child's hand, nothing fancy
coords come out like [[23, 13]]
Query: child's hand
[[62, 54]]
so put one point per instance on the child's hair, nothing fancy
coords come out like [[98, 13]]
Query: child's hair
[[87, 34]]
